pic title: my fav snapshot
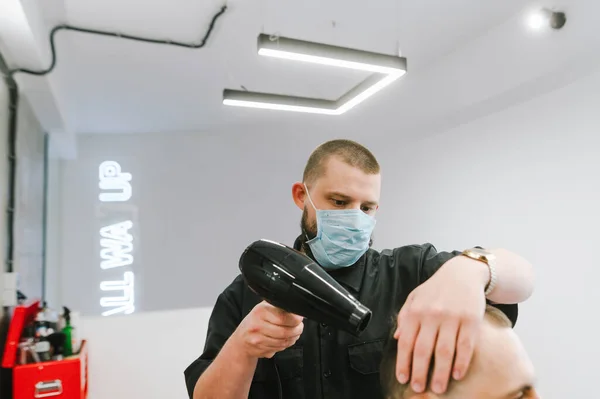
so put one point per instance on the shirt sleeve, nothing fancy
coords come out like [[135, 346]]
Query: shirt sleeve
[[224, 319], [430, 262]]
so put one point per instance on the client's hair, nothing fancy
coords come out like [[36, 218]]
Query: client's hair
[[392, 389]]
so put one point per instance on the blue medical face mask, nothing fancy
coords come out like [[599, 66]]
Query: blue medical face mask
[[343, 236]]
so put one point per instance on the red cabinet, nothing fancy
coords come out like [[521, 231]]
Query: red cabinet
[[64, 379]]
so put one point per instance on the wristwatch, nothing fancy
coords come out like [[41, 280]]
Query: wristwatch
[[489, 259]]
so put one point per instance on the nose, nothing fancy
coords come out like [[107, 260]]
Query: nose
[[355, 205]]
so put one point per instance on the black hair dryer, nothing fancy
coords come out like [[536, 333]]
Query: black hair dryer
[[290, 280]]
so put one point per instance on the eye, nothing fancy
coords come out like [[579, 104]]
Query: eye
[[367, 209], [338, 202]]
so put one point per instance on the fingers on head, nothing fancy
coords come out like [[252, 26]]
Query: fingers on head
[[421, 359], [465, 347], [406, 336], [444, 357]]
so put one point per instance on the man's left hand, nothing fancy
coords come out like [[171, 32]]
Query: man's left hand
[[441, 318]]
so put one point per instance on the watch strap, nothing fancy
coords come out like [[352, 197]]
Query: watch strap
[[490, 261]]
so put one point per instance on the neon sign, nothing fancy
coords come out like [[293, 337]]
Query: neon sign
[[111, 178], [116, 243], [123, 303]]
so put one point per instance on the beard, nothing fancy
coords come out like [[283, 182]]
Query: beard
[[309, 231]]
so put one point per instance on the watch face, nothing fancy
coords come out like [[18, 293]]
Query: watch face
[[480, 252]]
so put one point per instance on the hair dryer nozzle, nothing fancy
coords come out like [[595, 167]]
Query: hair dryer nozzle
[[360, 318], [292, 281]]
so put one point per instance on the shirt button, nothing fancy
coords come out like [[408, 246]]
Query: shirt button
[[323, 325], [327, 374]]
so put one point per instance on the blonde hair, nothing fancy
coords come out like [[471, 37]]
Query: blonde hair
[[350, 152], [392, 389]]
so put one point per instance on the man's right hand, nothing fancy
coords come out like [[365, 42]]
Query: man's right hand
[[267, 330]]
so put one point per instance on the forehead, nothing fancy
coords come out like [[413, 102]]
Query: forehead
[[500, 366], [339, 177]]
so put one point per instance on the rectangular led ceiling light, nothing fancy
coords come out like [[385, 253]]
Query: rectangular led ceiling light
[[384, 70]]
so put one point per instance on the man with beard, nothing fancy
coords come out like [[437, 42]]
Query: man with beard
[[258, 351]]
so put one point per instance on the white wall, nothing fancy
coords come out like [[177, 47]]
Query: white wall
[[526, 179], [29, 201], [29, 194], [53, 235], [143, 356]]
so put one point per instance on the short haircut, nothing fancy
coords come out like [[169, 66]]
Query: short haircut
[[348, 151], [392, 389]]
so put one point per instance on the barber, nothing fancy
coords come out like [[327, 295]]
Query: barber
[[258, 351]]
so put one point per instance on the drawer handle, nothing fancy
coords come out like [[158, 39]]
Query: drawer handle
[[46, 389]]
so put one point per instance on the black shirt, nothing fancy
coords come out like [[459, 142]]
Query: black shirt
[[325, 362]]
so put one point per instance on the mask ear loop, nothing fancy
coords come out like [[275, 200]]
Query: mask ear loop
[[309, 199]]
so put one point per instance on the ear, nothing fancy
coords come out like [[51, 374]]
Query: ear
[[299, 194]]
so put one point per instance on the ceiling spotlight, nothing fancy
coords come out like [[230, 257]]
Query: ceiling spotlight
[[546, 17], [383, 70]]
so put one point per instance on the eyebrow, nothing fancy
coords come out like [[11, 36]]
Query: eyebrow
[[348, 198]]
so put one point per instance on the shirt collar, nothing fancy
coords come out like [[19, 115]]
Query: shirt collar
[[351, 276]]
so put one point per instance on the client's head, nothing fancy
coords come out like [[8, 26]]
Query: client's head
[[500, 368]]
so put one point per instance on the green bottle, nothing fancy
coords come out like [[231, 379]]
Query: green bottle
[[68, 331]]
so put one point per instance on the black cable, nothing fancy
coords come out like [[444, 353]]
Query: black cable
[[13, 104], [45, 215], [12, 168], [118, 35], [13, 100]]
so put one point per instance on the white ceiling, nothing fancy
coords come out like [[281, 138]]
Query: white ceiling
[[466, 58]]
